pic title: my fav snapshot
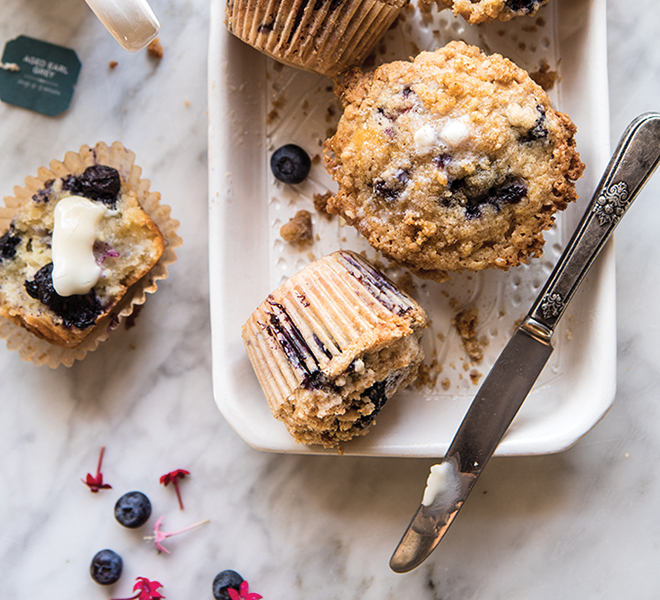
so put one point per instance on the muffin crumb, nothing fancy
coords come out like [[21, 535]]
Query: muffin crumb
[[155, 48], [465, 323], [321, 203], [299, 228], [545, 77], [427, 375]]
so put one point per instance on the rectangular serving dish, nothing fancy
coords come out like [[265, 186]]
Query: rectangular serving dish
[[255, 105]]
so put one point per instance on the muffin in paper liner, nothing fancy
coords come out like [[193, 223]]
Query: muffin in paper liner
[[323, 36], [331, 345], [40, 351]]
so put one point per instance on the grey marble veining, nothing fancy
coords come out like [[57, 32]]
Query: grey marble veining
[[580, 524]]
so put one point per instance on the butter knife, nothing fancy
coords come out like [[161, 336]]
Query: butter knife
[[523, 358]]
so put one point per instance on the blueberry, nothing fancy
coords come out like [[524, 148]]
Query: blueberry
[[133, 510], [98, 182], [442, 160], [388, 114], [223, 580], [106, 567], [377, 395], [391, 188], [43, 195], [75, 311], [8, 242], [290, 164], [523, 7], [539, 130], [511, 192]]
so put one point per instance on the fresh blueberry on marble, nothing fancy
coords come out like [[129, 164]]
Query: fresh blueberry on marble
[[224, 580], [133, 509], [290, 164], [106, 567]]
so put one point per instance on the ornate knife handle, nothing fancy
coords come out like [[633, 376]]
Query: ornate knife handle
[[633, 162]]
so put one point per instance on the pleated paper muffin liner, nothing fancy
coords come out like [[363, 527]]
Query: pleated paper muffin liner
[[323, 36], [40, 352], [325, 336]]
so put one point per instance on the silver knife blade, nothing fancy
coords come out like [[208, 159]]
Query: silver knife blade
[[516, 370], [484, 425]]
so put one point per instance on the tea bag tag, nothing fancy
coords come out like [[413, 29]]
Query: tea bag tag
[[38, 75]]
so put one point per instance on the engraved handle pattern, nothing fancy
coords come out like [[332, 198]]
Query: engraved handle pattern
[[634, 161]]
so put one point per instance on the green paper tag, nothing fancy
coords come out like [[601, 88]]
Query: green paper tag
[[38, 76]]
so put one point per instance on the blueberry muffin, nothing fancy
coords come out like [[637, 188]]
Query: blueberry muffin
[[480, 11], [323, 36], [332, 345], [455, 161], [78, 244]]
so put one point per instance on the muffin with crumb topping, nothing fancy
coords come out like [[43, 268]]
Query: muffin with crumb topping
[[454, 161]]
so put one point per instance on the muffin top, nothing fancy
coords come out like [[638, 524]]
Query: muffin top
[[454, 161]]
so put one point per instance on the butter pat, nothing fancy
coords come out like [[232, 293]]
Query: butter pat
[[454, 133], [74, 268], [442, 480], [425, 139]]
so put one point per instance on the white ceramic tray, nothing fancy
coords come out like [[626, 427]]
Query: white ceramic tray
[[256, 105]]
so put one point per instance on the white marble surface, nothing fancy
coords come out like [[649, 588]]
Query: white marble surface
[[581, 524]]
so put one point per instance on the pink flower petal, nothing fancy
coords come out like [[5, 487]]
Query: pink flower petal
[[233, 594]]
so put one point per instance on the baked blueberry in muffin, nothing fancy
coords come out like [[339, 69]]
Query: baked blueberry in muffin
[[455, 161], [480, 11]]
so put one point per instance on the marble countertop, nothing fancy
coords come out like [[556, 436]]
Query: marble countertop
[[579, 524]]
